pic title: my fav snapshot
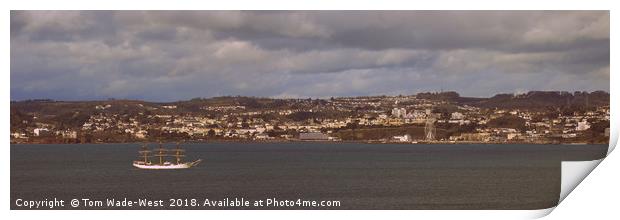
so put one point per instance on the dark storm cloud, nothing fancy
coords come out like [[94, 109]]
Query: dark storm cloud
[[170, 55]]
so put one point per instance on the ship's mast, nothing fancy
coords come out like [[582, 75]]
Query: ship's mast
[[144, 152], [178, 153], [161, 153]]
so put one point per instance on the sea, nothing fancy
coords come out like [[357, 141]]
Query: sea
[[305, 175]]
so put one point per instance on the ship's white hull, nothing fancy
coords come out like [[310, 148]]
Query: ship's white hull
[[165, 166]]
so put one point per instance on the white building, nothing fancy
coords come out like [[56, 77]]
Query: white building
[[18, 135], [457, 116], [582, 125], [68, 134], [262, 136], [140, 134], [403, 138], [511, 136], [399, 112], [38, 131]]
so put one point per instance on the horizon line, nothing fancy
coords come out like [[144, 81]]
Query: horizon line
[[276, 97]]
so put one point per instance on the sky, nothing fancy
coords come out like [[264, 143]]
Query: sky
[[179, 55]]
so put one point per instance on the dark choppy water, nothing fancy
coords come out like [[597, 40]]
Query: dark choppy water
[[360, 176]]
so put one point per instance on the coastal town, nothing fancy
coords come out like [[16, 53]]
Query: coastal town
[[438, 117]]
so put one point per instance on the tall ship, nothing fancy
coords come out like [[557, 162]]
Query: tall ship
[[161, 156]]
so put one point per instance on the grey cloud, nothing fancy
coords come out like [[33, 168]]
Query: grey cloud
[[170, 55]]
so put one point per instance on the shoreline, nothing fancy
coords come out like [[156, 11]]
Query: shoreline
[[320, 141]]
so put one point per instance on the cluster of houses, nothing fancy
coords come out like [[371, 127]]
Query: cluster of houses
[[239, 122]]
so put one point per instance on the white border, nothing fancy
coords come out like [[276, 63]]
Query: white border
[[309, 5]]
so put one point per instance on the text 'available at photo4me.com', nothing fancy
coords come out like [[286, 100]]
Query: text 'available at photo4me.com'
[[206, 203]]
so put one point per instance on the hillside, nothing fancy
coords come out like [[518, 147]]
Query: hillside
[[530, 100]]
